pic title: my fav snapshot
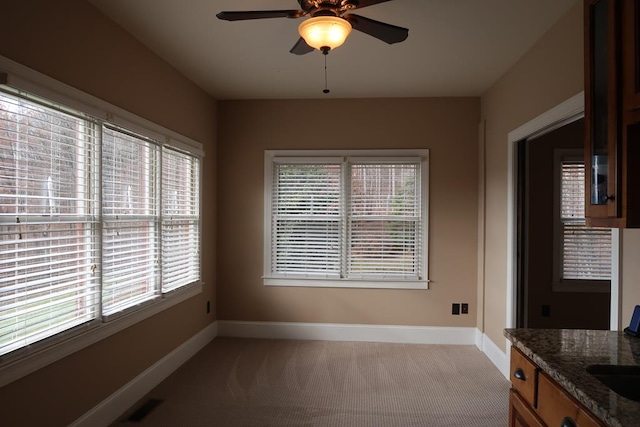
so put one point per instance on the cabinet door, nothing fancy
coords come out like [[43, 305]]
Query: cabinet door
[[557, 408], [631, 54], [520, 414], [602, 104]]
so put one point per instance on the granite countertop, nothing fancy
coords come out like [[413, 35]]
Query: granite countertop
[[564, 355]]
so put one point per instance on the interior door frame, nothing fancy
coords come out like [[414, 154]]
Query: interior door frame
[[557, 116]]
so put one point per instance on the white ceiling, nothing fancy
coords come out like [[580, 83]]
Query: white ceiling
[[455, 47]]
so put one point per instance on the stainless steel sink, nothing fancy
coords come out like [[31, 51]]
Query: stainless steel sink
[[622, 379]]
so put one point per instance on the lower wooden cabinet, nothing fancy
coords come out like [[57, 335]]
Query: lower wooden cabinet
[[536, 400], [520, 414], [557, 408]]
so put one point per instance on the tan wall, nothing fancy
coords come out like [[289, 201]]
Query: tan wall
[[72, 42], [550, 73], [448, 127]]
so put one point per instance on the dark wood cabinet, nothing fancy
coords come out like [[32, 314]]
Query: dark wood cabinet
[[535, 400], [602, 108], [521, 414], [612, 112], [631, 54]]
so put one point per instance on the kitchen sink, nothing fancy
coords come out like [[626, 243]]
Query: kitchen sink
[[622, 379]]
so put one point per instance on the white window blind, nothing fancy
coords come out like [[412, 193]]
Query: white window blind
[[48, 216], [586, 251], [95, 220], [384, 220], [180, 219], [307, 219], [354, 220], [130, 235]]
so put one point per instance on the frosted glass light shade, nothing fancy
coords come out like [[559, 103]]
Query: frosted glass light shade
[[324, 31]]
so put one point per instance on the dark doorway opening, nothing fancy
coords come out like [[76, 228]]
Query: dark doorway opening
[[541, 302]]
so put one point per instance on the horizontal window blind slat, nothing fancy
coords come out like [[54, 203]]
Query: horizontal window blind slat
[[128, 302], [27, 336], [66, 299], [22, 291]]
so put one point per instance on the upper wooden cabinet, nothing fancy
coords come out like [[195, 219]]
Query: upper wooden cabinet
[[612, 112], [631, 54]]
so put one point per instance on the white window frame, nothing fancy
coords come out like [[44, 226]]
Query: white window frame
[[16, 77], [569, 285], [343, 156]]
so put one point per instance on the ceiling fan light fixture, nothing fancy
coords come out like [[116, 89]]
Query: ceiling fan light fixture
[[325, 31]]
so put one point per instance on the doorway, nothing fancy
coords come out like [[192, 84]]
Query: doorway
[[518, 301], [547, 161]]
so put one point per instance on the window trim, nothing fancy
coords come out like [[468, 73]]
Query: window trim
[[558, 283], [270, 158], [25, 81]]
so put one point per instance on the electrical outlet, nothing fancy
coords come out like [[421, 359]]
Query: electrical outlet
[[546, 310], [208, 307], [455, 308], [464, 308]]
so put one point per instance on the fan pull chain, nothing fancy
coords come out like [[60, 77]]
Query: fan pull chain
[[326, 89]]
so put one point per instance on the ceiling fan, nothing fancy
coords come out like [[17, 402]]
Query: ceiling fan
[[329, 23]]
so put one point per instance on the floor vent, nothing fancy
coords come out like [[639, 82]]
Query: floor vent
[[144, 410]]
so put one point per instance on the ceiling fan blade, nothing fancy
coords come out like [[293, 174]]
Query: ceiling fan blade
[[364, 3], [380, 30], [301, 47], [342, 4], [259, 14]]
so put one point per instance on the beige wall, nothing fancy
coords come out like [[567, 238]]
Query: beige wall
[[72, 42], [448, 127], [550, 73]]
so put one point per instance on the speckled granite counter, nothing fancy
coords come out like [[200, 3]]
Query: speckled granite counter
[[564, 355]]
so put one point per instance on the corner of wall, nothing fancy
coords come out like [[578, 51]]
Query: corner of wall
[[116, 404]]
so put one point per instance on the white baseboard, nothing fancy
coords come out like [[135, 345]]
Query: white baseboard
[[348, 332], [371, 333], [494, 353], [116, 404], [479, 339]]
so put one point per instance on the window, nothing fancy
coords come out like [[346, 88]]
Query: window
[[346, 218], [48, 220], [95, 221], [583, 254]]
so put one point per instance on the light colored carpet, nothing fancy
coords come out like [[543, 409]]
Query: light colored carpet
[[249, 382]]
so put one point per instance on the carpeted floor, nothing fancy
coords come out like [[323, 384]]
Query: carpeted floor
[[249, 382]]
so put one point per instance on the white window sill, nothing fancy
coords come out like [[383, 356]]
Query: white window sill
[[12, 370], [346, 283]]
